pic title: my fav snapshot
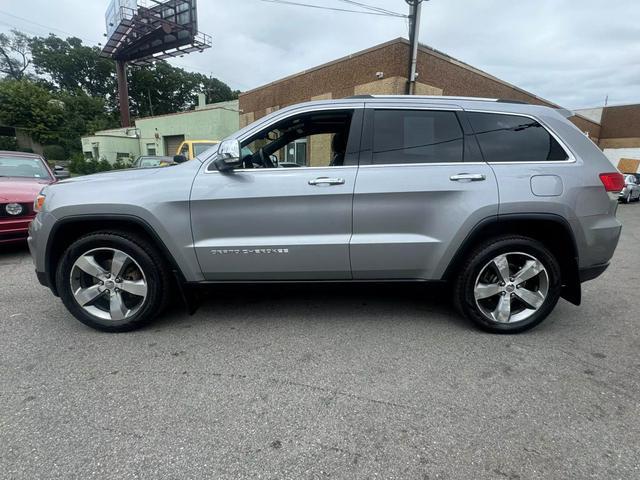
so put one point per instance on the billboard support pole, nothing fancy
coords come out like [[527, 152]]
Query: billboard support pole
[[123, 93]]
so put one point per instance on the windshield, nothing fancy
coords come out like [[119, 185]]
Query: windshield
[[198, 148], [24, 167]]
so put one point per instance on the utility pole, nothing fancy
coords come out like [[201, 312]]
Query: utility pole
[[415, 7]]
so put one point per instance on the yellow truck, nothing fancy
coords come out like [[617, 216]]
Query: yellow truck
[[192, 148]]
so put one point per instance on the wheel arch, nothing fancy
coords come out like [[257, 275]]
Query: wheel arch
[[551, 230], [69, 229]]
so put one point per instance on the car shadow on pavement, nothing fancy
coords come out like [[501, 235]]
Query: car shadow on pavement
[[268, 302], [13, 248]]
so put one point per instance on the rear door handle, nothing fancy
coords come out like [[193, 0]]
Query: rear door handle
[[326, 181], [467, 177]]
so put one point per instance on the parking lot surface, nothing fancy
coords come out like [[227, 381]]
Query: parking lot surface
[[318, 381]]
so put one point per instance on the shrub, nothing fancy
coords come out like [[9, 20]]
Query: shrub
[[8, 143], [103, 165], [122, 163], [54, 152], [78, 164]]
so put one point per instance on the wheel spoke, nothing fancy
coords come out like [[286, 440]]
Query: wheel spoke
[[86, 295], [531, 298], [503, 310], [502, 266], [117, 308], [530, 269], [486, 290], [118, 261], [138, 287], [88, 264]]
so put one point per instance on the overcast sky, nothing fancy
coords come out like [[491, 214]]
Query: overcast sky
[[571, 52]]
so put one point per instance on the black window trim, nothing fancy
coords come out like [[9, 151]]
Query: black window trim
[[570, 156]]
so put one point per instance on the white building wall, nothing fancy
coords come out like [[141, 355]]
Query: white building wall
[[615, 154], [593, 114]]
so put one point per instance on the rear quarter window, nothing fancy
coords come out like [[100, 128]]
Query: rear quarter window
[[514, 138]]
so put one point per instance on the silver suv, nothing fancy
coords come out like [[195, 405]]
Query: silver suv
[[508, 203]]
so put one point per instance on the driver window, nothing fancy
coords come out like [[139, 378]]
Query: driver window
[[185, 150], [315, 139]]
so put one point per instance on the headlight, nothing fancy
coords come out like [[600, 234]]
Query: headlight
[[38, 203], [13, 208]]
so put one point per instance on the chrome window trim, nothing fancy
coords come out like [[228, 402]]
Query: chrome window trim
[[277, 169], [423, 164], [347, 105], [571, 156]]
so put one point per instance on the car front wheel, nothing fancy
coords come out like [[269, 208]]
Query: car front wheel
[[508, 284], [112, 281]]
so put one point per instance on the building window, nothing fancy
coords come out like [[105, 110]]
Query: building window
[[151, 148], [296, 152]]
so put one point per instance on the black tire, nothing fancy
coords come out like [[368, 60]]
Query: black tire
[[464, 298], [149, 261]]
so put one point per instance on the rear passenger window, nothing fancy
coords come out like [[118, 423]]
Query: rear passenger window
[[512, 138], [416, 136]]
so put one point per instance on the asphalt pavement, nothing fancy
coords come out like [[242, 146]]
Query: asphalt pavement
[[319, 381]]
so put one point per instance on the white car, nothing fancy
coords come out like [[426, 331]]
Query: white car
[[631, 190]]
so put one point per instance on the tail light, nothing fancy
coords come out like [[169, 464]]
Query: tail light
[[613, 182]]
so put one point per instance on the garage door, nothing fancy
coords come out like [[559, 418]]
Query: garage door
[[171, 143]]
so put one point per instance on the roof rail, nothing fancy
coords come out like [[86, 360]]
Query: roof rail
[[430, 97], [508, 100]]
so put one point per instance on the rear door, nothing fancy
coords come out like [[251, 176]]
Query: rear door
[[421, 187]]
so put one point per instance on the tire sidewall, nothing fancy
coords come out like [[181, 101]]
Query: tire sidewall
[[479, 260], [135, 251]]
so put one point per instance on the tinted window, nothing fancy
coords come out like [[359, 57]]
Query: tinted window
[[512, 138], [416, 136]]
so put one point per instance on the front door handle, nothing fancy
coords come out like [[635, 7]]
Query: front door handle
[[326, 181], [467, 177]]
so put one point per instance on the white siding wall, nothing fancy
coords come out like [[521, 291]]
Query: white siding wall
[[615, 154]]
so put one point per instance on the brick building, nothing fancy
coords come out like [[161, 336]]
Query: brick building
[[382, 69], [619, 134]]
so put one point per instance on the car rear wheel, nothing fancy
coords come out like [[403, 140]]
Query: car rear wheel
[[508, 284], [113, 281]]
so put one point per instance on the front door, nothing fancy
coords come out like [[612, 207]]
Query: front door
[[276, 220], [422, 186]]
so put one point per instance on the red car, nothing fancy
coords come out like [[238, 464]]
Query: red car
[[22, 176]]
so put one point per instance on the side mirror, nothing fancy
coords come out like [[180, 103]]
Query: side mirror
[[228, 156], [179, 158]]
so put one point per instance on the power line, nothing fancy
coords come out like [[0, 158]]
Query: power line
[[335, 9], [374, 8], [48, 27]]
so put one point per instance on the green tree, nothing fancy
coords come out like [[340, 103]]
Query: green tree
[[14, 54], [28, 106], [162, 88], [72, 66]]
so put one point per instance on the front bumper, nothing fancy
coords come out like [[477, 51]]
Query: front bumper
[[14, 229]]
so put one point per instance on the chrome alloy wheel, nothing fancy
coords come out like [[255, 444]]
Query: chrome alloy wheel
[[108, 284], [511, 287]]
